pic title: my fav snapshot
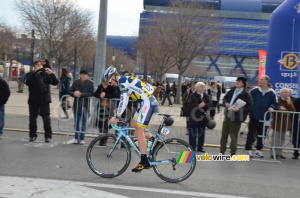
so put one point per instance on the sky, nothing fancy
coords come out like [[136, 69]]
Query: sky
[[123, 15]]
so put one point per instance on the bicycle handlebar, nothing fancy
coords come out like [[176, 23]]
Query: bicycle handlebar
[[120, 128]]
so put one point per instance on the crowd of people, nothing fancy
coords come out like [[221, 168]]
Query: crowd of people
[[200, 104]]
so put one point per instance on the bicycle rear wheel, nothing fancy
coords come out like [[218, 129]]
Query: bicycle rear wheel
[[104, 165], [173, 172]]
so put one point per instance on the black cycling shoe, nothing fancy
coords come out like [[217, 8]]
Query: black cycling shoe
[[141, 166]]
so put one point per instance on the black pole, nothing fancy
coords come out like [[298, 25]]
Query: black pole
[[75, 62], [32, 49]]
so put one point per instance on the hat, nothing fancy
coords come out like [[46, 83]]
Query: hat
[[83, 72], [243, 79]]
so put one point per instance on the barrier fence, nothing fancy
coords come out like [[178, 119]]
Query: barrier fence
[[282, 130], [90, 115]]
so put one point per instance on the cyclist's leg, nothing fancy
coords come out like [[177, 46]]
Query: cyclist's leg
[[142, 121], [140, 135], [133, 124]]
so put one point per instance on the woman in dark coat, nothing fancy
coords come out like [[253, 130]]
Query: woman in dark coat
[[64, 88], [104, 93], [198, 103]]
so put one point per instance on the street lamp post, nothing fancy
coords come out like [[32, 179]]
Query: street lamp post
[[101, 44]]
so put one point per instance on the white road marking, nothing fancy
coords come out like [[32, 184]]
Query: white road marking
[[35, 188], [14, 187]]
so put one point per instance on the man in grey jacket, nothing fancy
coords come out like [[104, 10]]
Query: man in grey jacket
[[81, 89]]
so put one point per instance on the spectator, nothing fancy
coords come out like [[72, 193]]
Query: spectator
[[21, 78], [185, 98], [157, 90], [208, 85], [167, 95], [214, 94], [281, 121], [46, 64], [126, 73], [296, 133], [198, 102], [81, 89], [64, 89], [4, 95], [105, 91], [234, 116], [185, 108], [161, 93], [183, 88], [219, 87], [39, 99], [174, 90], [264, 99]]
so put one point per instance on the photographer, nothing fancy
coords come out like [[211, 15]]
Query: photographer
[[39, 99]]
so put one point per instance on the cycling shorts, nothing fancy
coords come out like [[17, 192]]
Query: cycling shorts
[[143, 115]]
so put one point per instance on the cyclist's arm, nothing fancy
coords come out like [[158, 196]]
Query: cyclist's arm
[[123, 102]]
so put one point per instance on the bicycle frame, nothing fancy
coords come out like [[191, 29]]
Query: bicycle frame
[[123, 133]]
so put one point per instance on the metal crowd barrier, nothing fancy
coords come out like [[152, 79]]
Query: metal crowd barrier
[[95, 111], [282, 131]]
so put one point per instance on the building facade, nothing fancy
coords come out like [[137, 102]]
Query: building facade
[[246, 30]]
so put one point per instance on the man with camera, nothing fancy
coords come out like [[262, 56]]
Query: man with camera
[[39, 99]]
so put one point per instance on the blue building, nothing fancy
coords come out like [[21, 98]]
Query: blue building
[[246, 29]]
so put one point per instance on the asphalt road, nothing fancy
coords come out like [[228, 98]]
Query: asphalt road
[[46, 170]]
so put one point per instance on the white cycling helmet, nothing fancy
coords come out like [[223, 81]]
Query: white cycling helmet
[[108, 72]]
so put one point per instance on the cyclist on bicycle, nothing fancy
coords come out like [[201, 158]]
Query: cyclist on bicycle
[[142, 93]]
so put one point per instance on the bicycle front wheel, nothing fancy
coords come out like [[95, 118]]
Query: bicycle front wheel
[[173, 172], [103, 164]]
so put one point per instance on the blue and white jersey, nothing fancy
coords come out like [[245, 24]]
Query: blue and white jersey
[[137, 90]]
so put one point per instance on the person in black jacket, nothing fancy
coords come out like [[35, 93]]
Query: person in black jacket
[[234, 116], [81, 89], [4, 95], [167, 95], [198, 103], [104, 92], [39, 99], [64, 89]]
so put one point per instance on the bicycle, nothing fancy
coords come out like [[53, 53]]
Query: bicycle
[[163, 155]]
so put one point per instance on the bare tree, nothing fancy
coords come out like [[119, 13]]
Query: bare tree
[[152, 50], [122, 61], [187, 30], [60, 26]]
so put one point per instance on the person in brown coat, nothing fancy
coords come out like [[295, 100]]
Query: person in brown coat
[[282, 121], [157, 91]]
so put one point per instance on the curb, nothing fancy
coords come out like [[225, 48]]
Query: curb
[[91, 136]]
